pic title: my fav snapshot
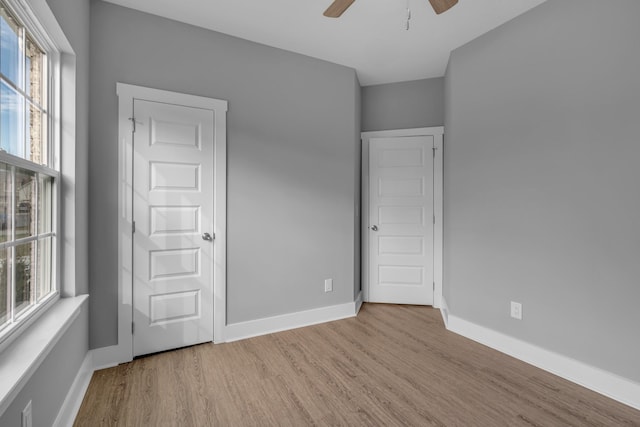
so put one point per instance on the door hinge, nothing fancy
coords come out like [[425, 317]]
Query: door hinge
[[434, 152], [133, 123], [133, 227], [132, 327], [434, 219], [434, 286]]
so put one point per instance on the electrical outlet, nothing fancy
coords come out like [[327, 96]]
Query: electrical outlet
[[516, 310], [27, 417], [328, 285]]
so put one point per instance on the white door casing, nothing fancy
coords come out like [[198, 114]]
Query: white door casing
[[402, 216], [172, 209], [128, 95]]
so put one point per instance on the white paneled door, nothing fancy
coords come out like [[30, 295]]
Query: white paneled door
[[401, 220], [173, 163]]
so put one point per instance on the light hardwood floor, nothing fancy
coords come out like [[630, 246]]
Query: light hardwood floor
[[391, 366]]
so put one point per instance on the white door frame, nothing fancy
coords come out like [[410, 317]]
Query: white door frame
[[438, 138], [123, 351]]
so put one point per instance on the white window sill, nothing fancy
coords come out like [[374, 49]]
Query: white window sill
[[20, 360]]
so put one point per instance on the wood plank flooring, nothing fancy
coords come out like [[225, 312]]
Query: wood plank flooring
[[391, 366]]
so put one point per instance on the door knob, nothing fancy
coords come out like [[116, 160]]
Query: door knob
[[374, 227], [206, 236]]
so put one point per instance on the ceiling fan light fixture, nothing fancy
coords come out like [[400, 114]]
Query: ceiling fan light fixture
[[338, 7]]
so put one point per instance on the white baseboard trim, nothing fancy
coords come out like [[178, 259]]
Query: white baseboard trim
[[69, 410], [108, 357], [444, 311], [598, 380], [94, 360], [359, 301], [268, 325]]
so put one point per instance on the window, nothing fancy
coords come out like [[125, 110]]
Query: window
[[28, 179]]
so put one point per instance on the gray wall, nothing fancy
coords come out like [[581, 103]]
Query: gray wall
[[292, 146], [48, 386], [404, 105], [541, 180], [357, 109]]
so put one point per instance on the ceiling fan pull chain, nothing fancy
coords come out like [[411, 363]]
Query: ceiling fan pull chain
[[408, 15]]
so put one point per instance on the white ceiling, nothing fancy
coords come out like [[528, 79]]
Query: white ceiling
[[369, 37]]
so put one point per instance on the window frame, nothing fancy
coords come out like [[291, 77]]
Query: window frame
[[36, 32]]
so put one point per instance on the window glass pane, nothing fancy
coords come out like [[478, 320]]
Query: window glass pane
[[10, 57], [24, 260], [4, 287], [11, 121], [44, 204], [35, 63], [44, 278], [5, 202], [35, 150], [25, 196]]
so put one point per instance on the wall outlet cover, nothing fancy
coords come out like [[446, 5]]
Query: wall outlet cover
[[27, 416], [516, 310], [328, 285]]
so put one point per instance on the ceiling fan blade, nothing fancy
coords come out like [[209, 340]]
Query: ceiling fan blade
[[442, 5], [337, 8]]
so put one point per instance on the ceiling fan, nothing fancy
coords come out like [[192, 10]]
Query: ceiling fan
[[338, 7]]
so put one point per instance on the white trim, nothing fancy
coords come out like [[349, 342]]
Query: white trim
[[13, 331], [438, 196], [26, 164], [444, 311], [48, 20], [220, 222], [598, 380], [108, 357], [438, 135], [358, 302], [69, 410], [435, 130], [19, 362], [284, 322], [36, 16], [123, 350], [364, 218]]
